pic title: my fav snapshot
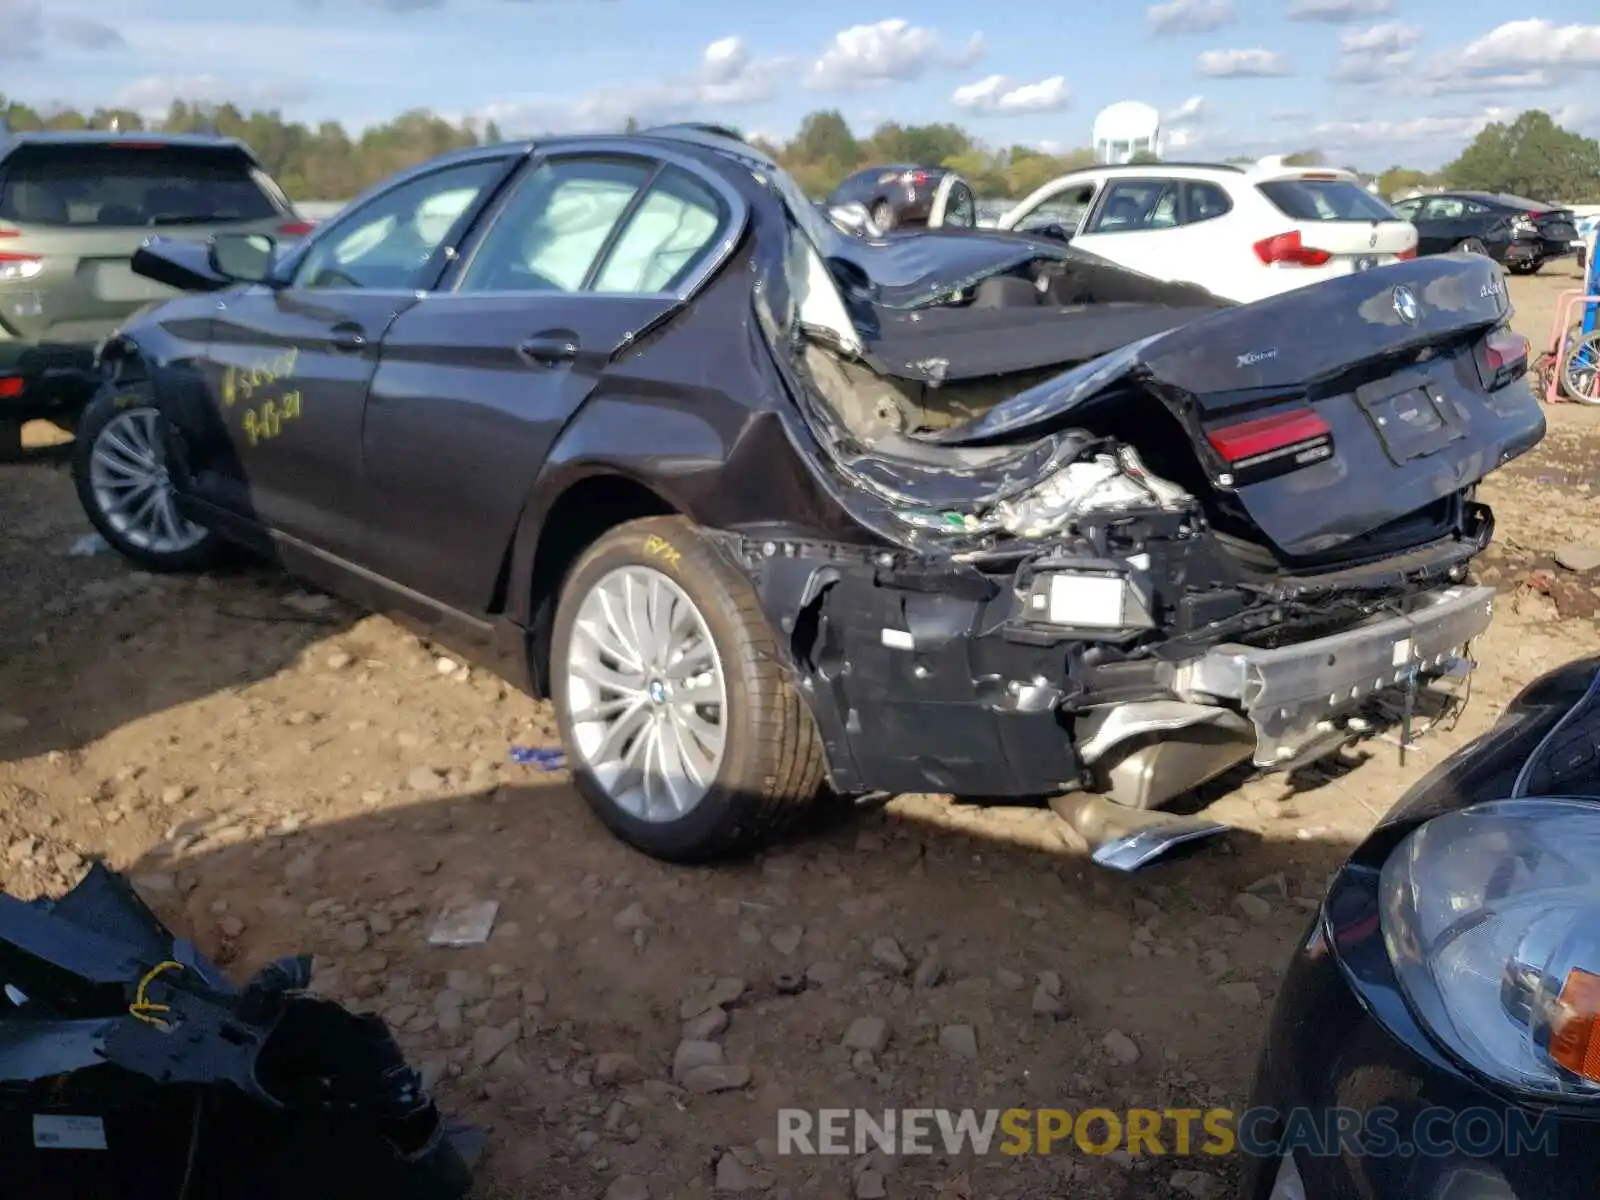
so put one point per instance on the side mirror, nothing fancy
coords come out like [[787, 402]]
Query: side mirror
[[854, 219], [245, 257]]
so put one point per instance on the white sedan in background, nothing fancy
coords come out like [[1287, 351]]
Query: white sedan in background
[[1243, 233]]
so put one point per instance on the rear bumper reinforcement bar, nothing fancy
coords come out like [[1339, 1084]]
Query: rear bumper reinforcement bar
[[1290, 693]]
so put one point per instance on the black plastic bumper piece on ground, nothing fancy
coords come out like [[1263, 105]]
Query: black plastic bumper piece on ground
[[130, 1068]]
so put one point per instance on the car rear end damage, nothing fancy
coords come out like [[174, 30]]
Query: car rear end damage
[[1242, 538]]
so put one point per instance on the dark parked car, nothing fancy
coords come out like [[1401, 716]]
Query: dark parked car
[[762, 505], [74, 207], [1446, 1000], [902, 195], [1522, 234]]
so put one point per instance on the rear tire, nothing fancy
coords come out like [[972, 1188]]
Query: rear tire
[[653, 610], [119, 471], [1527, 268], [883, 216]]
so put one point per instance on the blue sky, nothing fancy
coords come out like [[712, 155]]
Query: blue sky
[[1372, 82]]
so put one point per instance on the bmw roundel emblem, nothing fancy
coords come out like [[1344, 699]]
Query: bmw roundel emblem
[[1405, 304]]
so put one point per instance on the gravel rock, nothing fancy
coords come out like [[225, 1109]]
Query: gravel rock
[[715, 1077], [690, 1055], [887, 954], [959, 1040], [424, 779], [1257, 908], [867, 1033], [628, 1187], [1121, 1047]]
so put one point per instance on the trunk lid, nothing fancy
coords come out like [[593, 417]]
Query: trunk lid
[[1326, 418]]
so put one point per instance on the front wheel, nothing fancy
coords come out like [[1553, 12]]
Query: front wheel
[[685, 736], [119, 468]]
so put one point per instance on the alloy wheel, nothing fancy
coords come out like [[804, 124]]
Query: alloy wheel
[[128, 475], [647, 694]]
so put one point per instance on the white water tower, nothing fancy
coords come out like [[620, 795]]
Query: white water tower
[[1125, 129]]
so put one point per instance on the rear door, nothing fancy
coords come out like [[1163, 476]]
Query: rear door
[[74, 213], [589, 249], [289, 364], [1333, 224]]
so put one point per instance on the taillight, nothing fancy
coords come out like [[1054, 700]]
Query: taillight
[[296, 228], [1406, 255], [19, 266], [1284, 440], [1505, 358], [10, 387], [1286, 249], [917, 177]]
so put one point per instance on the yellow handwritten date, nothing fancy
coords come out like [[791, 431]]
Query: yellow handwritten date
[[659, 547], [266, 421], [242, 383]]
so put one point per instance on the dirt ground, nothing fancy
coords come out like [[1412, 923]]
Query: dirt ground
[[282, 774]]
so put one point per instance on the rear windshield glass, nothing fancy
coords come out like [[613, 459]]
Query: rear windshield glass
[[123, 187], [1325, 200]]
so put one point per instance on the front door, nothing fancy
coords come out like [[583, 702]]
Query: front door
[[289, 364], [477, 380]]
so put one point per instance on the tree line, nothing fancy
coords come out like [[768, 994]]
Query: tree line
[[1531, 156]]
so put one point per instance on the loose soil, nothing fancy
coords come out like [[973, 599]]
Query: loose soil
[[284, 774]]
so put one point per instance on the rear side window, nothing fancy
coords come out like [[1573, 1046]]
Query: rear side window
[[1204, 201], [667, 236], [121, 187], [1325, 200]]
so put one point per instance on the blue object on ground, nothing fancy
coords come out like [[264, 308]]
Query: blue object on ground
[[533, 756]]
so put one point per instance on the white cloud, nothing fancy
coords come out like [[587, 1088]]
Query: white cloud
[[1377, 53], [1338, 12], [728, 75], [1190, 16], [999, 95], [1408, 131], [889, 51], [28, 33], [1534, 42], [1242, 64], [153, 94], [1191, 110]]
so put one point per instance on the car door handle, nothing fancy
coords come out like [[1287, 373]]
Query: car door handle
[[347, 337], [549, 350]]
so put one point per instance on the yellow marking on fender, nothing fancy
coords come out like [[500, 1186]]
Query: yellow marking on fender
[[658, 547], [265, 422]]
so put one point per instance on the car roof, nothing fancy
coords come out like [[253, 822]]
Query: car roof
[[103, 138]]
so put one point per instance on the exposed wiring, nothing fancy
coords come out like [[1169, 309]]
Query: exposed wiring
[[143, 1008]]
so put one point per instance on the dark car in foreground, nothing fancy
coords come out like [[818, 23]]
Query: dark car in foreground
[[904, 195], [1522, 234], [761, 505], [74, 209], [1444, 1007]]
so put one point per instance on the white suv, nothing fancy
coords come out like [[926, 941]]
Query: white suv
[[1240, 232]]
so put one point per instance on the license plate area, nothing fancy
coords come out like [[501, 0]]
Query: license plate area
[[1410, 414]]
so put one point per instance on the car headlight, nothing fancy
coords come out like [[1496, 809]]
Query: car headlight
[[1491, 916]]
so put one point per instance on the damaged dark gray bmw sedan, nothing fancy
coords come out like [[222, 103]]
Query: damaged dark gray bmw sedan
[[763, 507]]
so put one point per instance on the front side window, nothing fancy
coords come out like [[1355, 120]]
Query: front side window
[[391, 241], [1066, 208], [555, 225]]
